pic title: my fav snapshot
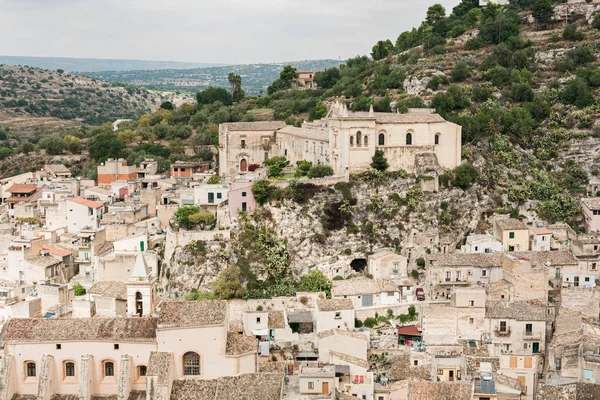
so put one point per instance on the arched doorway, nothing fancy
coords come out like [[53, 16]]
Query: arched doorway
[[359, 265], [243, 165], [139, 304]]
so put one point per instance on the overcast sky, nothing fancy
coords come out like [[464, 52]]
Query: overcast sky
[[215, 31]]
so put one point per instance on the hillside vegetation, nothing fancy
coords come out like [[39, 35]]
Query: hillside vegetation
[[32, 92]]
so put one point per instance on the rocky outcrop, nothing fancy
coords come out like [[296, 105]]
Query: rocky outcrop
[[414, 86], [564, 11]]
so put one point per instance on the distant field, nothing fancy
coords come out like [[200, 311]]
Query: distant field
[[255, 77]]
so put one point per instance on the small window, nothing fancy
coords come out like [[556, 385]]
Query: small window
[[244, 206], [244, 194], [258, 320], [58, 346], [587, 279], [338, 315], [382, 139], [219, 195], [484, 272], [437, 138], [70, 369], [471, 321], [351, 142], [311, 385], [365, 141], [409, 139], [191, 364], [116, 346], [31, 372], [109, 368], [142, 370], [511, 235], [416, 362], [593, 265], [472, 303]]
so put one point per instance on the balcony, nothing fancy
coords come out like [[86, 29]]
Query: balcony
[[84, 245], [532, 335], [80, 260], [449, 281], [592, 358], [502, 332]]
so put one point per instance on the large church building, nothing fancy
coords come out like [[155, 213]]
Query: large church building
[[344, 140]]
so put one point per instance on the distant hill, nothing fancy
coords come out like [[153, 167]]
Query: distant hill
[[49, 96], [255, 77], [97, 64]]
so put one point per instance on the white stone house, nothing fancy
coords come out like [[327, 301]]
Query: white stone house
[[210, 195], [591, 213], [482, 243], [83, 214], [334, 314], [365, 292], [578, 280], [388, 264], [539, 239]]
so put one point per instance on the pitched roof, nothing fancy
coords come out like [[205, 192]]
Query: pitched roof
[[276, 320], [255, 126], [466, 259], [533, 310], [80, 329], [240, 344], [510, 223], [22, 188], [192, 313], [314, 134], [543, 257], [413, 117], [112, 289], [409, 330], [593, 203], [260, 386], [361, 286], [540, 231], [85, 202], [140, 268], [56, 251], [439, 391], [334, 304], [57, 168]]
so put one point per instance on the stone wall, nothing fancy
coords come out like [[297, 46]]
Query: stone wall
[[564, 11], [583, 300], [574, 391]]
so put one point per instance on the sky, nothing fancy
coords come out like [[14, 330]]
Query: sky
[[207, 31]]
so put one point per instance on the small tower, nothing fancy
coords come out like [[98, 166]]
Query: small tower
[[141, 289], [371, 112]]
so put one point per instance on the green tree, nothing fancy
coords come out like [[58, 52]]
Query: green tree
[[182, 216], [497, 25], [228, 284], [577, 92], [314, 282], [104, 146], [213, 180], [52, 144], [572, 33], [382, 49], [235, 82], [212, 95], [27, 147], [202, 218], [464, 176], [543, 12], [262, 190], [435, 14], [328, 78], [596, 22], [460, 72], [379, 162], [320, 171], [177, 146], [562, 208], [167, 105]]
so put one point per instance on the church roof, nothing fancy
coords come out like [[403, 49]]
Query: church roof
[[140, 269]]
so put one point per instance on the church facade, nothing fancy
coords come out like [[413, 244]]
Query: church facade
[[344, 140]]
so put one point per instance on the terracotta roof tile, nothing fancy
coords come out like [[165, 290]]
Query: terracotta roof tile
[[192, 313], [255, 126], [240, 344], [510, 224], [56, 251], [22, 188], [361, 286], [112, 289], [334, 304], [276, 320], [88, 203], [80, 329]]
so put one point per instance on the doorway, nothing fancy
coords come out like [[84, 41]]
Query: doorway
[[451, 376], [325, 389], [139, 304], [243, 165], [535, 347]]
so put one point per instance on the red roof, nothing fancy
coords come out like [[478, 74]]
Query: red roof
[[88, 203], [22, 188], [55, 251], [540, 231], [409, 330]]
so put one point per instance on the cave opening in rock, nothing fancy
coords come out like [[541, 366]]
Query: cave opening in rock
[[358, 265]]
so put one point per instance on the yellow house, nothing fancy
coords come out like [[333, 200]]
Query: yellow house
[[513, 234]]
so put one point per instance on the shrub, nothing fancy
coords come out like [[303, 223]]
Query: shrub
[[571, 33], [320, 171], [262, 191], [338, 278], [596, 22], [213, 180], [481, 94], [259, 308], [420, 262], [358, 323], [460, 72], [521, 92], [474, 44], [348, 252], [464, 176], [435, 82], [78, 290], [253, 167], [498, 76], [414, 273], [370, 322], [576, 92], [379, 161], [581, 55], [182, 216]]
